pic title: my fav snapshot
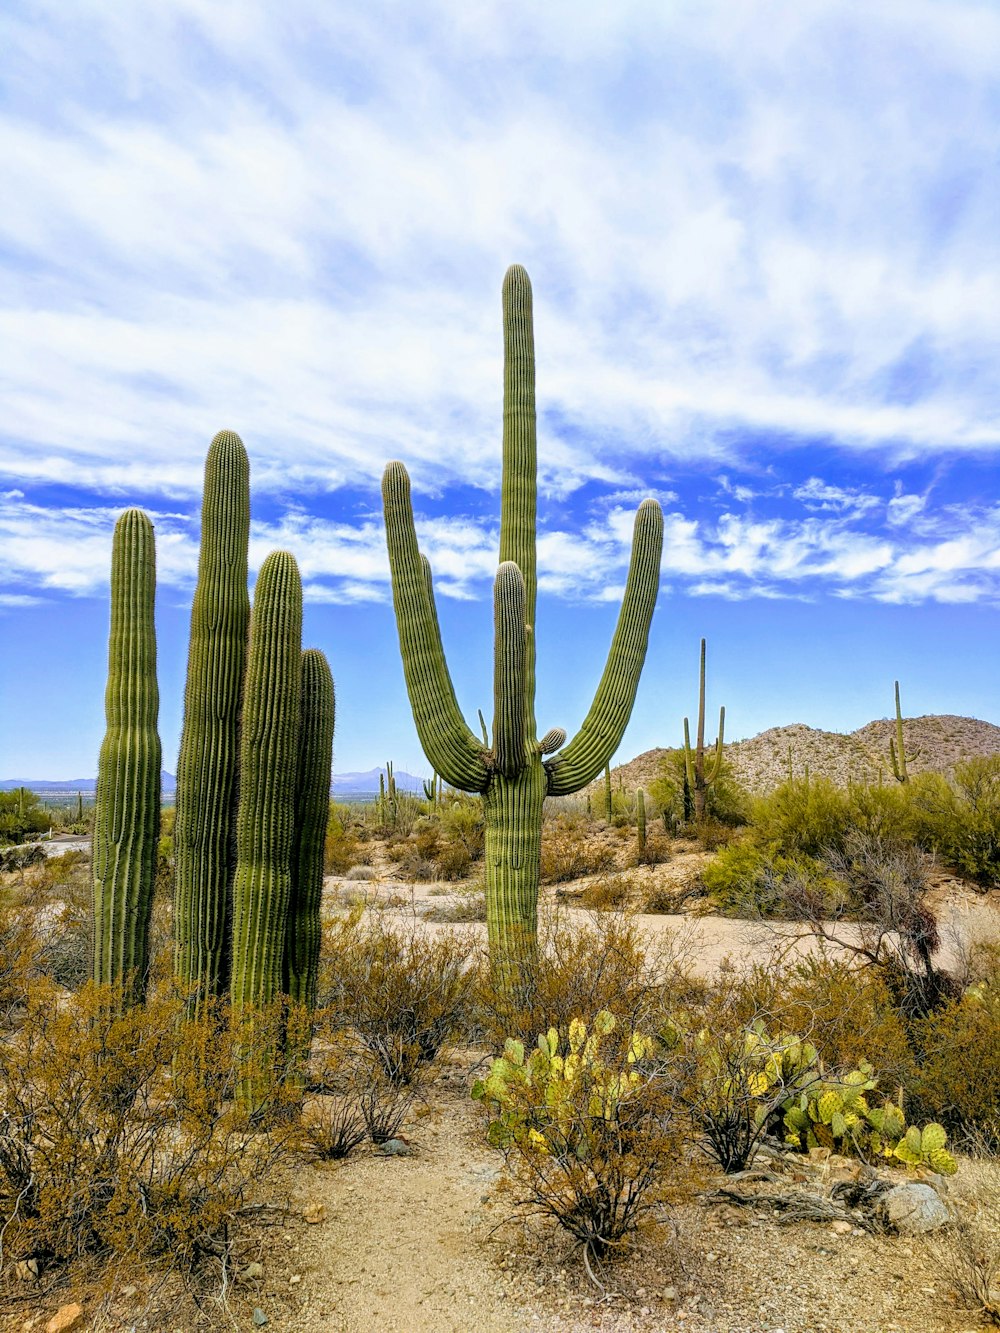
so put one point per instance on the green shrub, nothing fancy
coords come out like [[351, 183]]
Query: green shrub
[[959, 1081], [726, 802], [961, 819], [804, 816], [748, 880]]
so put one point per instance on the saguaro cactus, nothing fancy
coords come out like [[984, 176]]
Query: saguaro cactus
[[265, 822], [609, 805], [127, 813], [897, 751], [312, 813], [510, 774], [640, 820], [208, 766], [699, 775]]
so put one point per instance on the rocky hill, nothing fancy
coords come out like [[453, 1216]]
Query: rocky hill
[[936, 742]]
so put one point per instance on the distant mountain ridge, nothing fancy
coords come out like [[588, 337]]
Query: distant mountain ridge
[[355, 784], [934, 743]]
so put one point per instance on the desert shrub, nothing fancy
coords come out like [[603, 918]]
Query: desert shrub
[[654, 853], [969, 1250], [342, 848], [803, 816], [608, 893], [331, 1127], [466, 906], [20, 964], [405, 995], [750, 880], [961, 819], [959, 1081], [583, 967], [845, 1010], [110, 1142], [462, 822], [569, 850], [584, 1127], [731, 1083], [18, 859], [726, 802]]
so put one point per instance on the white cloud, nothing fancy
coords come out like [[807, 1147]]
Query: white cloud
[[740, 221]]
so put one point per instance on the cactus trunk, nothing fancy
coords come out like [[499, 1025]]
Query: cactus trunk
[[312, 813], [512, 808], [208, 764], [268, 763], [127, 811]]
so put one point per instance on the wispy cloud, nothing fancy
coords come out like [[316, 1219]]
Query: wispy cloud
[[740, 220]]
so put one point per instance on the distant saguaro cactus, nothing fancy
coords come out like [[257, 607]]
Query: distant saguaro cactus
[[640, 820], [699, 776], [127, 811], [312, 813], [265, 823], [897, 750], [510, 774], [208, 765], [609, 805]]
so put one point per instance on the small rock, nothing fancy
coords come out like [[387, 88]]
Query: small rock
[[711, 1257], [26, 1270], [66, 1317], [669, 1293], [129, 1292], [840, 1228], [315, 1214], [295, 1279], [253, 1271], [914, 1208], [259, 1317], [393, 1148]]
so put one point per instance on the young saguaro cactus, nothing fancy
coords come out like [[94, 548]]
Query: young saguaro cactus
[[699, 775], [265, 823], [208, 766], [513, 774], [127, 812], [312, 813], [640, 820]]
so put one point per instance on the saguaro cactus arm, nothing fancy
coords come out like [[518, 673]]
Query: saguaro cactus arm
[[509, 652], [448, 743], [603, 727]]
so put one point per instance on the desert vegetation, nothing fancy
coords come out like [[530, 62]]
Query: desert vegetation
[[223, 1006]]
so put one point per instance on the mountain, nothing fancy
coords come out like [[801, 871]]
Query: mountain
[[42, 786], [935, 743], [366, 784]]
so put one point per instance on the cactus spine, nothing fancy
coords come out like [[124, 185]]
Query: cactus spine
[[208, 765], [268, 763], [312, 813], [700, 776], [127, 812], [510, 774], [897, 752]]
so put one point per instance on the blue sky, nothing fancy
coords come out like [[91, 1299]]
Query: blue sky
[[763, 243]]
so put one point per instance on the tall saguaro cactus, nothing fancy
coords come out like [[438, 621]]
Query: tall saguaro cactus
[[127, 813], [265, 822], [700, 776], [312, 813], [208, 766], [897, 750], [512, 774]]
